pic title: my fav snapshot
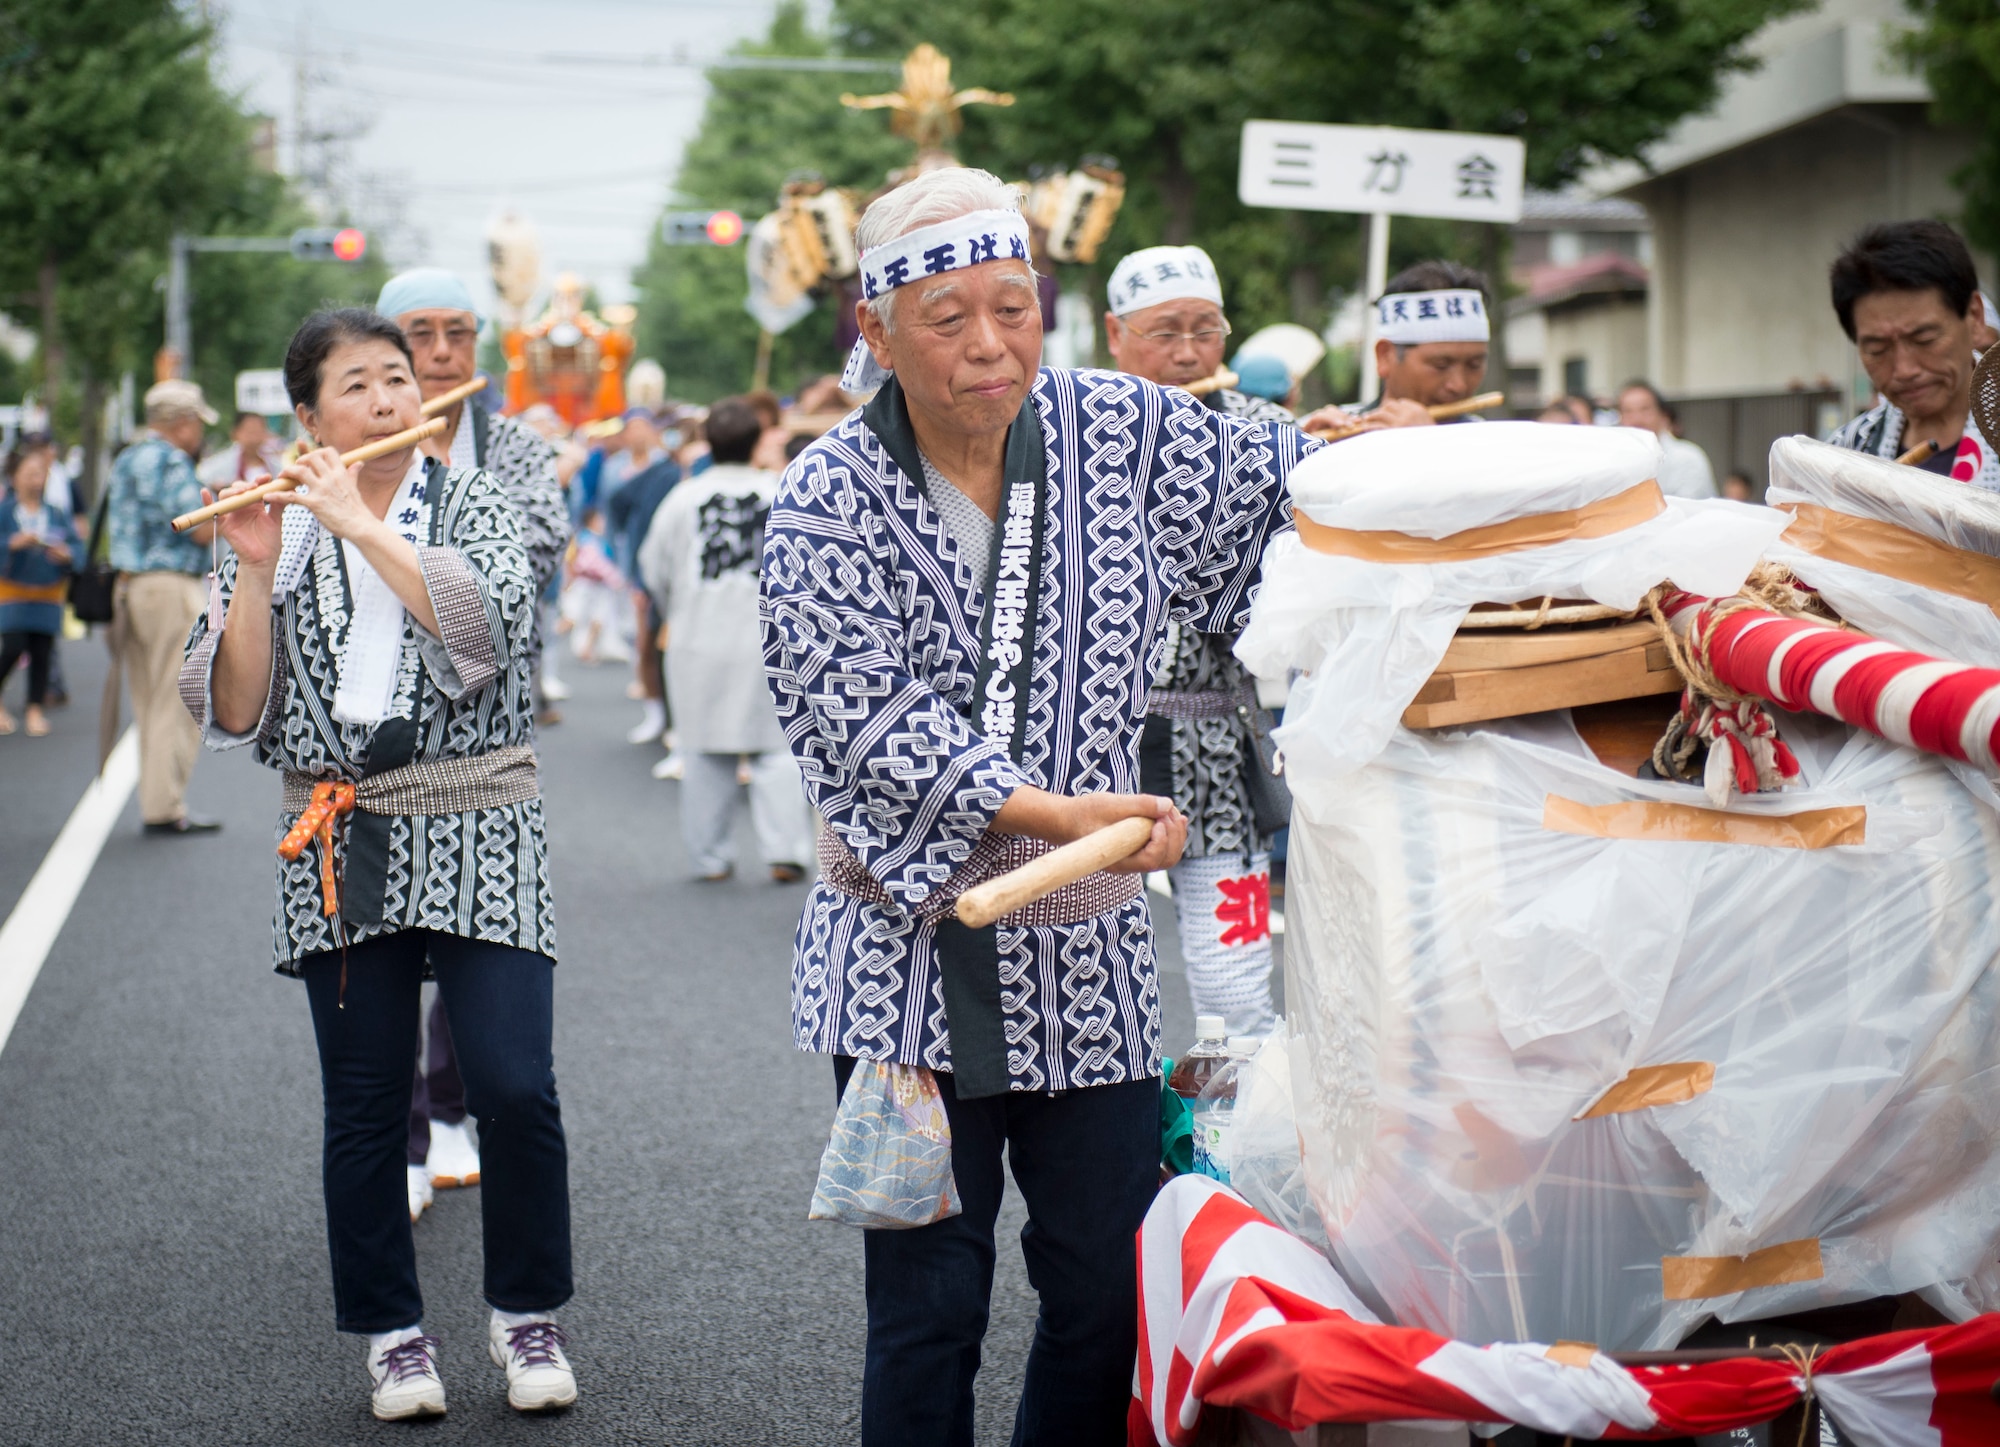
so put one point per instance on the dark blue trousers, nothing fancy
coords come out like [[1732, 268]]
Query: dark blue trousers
[[501, 1001], [1088, 1164]]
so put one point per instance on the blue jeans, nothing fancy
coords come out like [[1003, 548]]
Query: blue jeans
[[1088, 1163], [501, 1001]]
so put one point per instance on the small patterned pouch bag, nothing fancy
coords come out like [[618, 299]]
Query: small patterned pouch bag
[[888, 1162]]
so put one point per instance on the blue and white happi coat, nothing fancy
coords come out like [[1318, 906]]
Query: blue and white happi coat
[[1157, 507]]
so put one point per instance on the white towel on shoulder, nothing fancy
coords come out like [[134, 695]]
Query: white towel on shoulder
[[366, 688]]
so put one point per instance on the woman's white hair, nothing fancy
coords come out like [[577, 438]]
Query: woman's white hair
[[935, 196]]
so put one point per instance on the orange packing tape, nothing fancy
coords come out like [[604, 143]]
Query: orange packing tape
[[329, 802], [1894, 552], [1639, 504], [1690, 824], [1646, 1086], [1695, 1278]]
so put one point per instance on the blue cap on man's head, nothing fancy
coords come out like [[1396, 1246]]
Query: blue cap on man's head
[[1262, 375], [427, 288]]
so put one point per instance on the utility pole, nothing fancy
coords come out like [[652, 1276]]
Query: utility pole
[[301, 79], [173, 360]]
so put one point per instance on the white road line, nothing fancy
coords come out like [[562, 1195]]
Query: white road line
[[31, 930]]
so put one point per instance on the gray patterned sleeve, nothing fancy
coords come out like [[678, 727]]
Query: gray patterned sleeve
[[197, 677], [480, 586], [524, 463]]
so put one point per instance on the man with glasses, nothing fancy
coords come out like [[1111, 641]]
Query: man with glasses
[[1908, 298], [1166, 324], [435, 311]]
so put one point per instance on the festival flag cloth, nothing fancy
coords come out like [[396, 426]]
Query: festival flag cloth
[[1233, 1312]]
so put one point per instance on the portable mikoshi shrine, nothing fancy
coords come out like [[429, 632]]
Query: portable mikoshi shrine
[[1642, 956]]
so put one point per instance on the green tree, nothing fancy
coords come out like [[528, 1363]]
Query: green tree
[[115, 135], [759, 127], [1582, 81], [1957, 47], [1165, 87]]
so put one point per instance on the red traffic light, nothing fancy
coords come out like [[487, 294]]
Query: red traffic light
[[724, 228], [349, 244]]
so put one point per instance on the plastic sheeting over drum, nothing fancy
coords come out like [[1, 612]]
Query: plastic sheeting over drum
[[1489, 934]]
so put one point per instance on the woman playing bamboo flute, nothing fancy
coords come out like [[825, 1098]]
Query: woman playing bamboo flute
[[390, 686]]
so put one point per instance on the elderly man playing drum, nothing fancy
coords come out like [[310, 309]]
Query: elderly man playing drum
[[966, 584]]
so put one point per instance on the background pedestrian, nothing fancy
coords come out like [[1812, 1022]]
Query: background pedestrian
[[700, 562], [37, 544], [160, 594], [1684, 467]]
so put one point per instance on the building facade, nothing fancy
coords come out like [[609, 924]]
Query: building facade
[[1751, 203]]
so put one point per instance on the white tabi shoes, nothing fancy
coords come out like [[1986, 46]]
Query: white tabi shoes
[[453, 1158]]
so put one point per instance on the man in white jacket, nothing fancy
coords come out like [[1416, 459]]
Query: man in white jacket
[[699, 561]]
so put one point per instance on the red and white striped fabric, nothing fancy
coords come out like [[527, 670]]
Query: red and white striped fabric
[[1908, 698], [1235, 1313]]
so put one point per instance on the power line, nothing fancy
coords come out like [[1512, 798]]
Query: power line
[[535, 60]]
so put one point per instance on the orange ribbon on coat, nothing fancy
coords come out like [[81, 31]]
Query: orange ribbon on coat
[[329, 802]]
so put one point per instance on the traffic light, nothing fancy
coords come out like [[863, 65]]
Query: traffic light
[[326, 243], [701, 228]]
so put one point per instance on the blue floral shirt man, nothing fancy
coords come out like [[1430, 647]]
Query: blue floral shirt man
[[152, 483]]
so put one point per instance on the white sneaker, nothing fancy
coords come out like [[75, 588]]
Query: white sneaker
[[554, 689], [652, 723], [453, 1159], [539, 1378], [671, 767], [406, 1380], [420, 1191]]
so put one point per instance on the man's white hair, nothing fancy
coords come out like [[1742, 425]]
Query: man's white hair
[[935, 196]]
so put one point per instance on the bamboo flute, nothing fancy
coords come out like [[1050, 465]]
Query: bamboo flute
[[378, 448], [1443, 411]]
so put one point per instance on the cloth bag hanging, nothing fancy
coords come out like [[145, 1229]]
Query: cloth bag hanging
[[887, 1164]]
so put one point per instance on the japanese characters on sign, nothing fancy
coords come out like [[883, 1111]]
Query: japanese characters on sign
[[1460, 175]]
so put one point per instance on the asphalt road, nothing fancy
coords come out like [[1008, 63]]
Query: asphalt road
[[163, 1273]]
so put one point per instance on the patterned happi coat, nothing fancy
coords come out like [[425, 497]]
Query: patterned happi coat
[[1205, 756], [482, 874], [1879, 433], [1157, 506]]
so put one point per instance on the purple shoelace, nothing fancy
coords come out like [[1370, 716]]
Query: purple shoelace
[[537, 1343], [409, 1359]]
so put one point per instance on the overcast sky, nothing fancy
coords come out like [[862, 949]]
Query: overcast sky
[[572, 114]]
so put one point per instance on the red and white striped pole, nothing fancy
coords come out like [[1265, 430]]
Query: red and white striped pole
[[1908, 698]]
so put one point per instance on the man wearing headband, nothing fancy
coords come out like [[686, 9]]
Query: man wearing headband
[[1199, 748], [438, 319], [965, 586], [1431, 331]]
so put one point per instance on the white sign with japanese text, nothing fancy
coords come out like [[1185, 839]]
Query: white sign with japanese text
[[262, 391], [1459, 175]]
